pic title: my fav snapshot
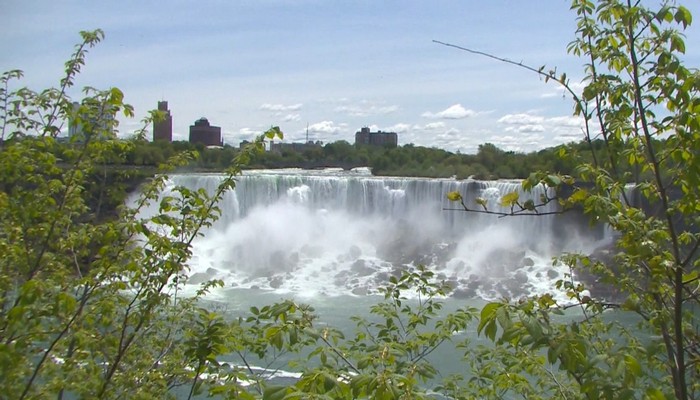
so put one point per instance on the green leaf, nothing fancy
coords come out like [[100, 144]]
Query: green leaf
[[683, 16], [655, 394], [678, 44], [552, 180], [274, 393], [633, 365], [454, 196], [488, 319], [509, 199], [690, 277]]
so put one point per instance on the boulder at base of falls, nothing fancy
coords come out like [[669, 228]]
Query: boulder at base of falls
[[599, 289], [276, 281], [361, 269], [359, 291], [198, 278], [520, 277], [354, 252], [552, 274], [464, 293], [500, 262]]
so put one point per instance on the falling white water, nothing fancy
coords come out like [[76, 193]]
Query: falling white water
[[334, 232]]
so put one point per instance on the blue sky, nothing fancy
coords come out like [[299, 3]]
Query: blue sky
[[334, 66]]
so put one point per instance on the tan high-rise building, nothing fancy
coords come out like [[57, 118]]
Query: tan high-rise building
[[163, 130]]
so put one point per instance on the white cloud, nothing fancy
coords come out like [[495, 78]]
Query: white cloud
[[560, 91], [525, 128], [399, 128], [521, 119], [522, 142], [449, 135], [281, 107], [291, 117], [453, 112], [365, 108], [434, 125], [568, 121], [327, 127], [248, 132], [234, 138]]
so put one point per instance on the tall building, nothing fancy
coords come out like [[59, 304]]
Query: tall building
[[203, 132], [163, 130], [379, 138]]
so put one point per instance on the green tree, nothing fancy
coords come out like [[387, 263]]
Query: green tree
[[643, 103], [90, 308]]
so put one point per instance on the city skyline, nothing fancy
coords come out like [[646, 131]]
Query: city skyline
[[332, 66]]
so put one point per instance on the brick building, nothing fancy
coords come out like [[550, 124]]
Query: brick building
[[379, 138], [203, 132], [163, 130]]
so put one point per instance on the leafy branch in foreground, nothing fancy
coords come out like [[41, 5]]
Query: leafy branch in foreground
[[645, 184], [91, 307], [515, 206]]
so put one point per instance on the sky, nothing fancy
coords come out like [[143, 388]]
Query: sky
[[329, 67]]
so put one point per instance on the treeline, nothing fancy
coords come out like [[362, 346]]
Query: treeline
[[490, 162]]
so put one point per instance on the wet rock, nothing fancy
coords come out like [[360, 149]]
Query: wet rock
[[198, 278], [311, 251], [464, 293], [278, 261], [360, 268], [552, 274], [294, 258], [520, 277], [382, 278], [359, 291], [509, 257], [460, 266], [341, 277], [354, 252], [276, 282], [453, 283], [528, 262]]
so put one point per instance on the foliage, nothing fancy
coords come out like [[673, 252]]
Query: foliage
[[91, 306], [640, 103]]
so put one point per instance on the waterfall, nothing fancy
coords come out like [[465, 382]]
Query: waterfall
[[336, 232]]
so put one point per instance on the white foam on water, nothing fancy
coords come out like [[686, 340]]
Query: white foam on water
[[333, 233]]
